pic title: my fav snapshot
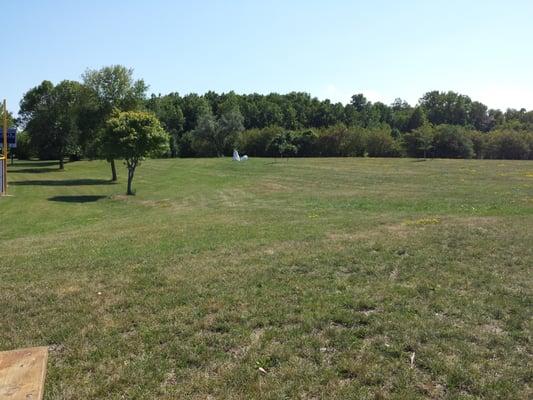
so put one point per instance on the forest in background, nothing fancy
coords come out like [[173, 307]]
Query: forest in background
[[67, 120]]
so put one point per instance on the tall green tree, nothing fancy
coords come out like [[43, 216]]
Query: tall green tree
[[452, 141], [416, 120], [215, 136], [115, 89], [168, 110], [10, 119], [419, 141], [230, 124], [134, 135], [283, 144], [51, 116]]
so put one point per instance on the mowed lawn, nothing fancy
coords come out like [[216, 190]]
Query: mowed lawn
[[351, 278]]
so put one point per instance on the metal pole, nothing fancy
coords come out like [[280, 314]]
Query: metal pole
[[5, 147]]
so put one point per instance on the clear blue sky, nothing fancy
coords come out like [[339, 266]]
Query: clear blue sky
[[331, 49]]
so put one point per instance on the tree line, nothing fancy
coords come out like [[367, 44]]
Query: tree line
[[70, 120]]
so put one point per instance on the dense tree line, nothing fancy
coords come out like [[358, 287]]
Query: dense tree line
[[69, 120]]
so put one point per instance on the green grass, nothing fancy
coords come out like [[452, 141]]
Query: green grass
[[327, 273]]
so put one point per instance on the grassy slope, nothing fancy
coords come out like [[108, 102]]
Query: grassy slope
[[327, 273]]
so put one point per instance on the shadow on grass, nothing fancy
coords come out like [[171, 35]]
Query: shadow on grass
[[33, 170], [65, 182], [76, 199], [36, 164]]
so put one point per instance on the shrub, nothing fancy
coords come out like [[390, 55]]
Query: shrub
[[185, 145], [451, 141], [353, 144], [509, 144], [380, 143], [283, 144], [330, 140], [307, 143], [254, 142], [24, 150], [479, 143], [419, 142]]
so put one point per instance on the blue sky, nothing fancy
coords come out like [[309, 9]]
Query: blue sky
[[331, 49]]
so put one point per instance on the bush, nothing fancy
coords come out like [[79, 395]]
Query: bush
[[509, 144], [185, 145], [451, 141], [254, 142], [24, 150], [419, 142], [380, 143], [479, 143], [353, 144], [330, 140], [307, 143], [529, 139], [283, 144]]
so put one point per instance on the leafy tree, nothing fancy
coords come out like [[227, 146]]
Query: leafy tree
[[353, 143], [359, 102], [478, 116], [306, 141], [496, 118], [134, 135], [282, 144], [269, 113], [193, 106], [330, 140], [380, 143], [446, 108], [417, 119], [34, 111], [115, 89], [452, 141], [254, 142], [215, 136], [205, 136], [323, 114], [401, 115], [419, 142], [230, 124], [10, 120], [51, 117], [479, 143], [24, 150], [168, 111], [508, 144]]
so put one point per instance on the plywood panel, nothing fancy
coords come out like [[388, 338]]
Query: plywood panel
[[22, 373]]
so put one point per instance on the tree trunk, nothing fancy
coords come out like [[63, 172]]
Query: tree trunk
[[131, 171], [113, 171], [61, 162]]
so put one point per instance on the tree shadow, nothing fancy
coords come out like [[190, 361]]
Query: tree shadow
[[36, 163], [33, 170], [77, 199], [65, 182]]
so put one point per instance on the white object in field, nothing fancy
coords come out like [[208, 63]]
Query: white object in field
[[236, 156]]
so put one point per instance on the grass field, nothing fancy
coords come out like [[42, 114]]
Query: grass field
[[327, 274]]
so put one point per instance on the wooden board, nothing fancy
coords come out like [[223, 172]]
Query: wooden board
[[22, 373]]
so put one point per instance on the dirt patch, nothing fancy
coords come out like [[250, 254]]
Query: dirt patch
[[241, 351], [67, 290]]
